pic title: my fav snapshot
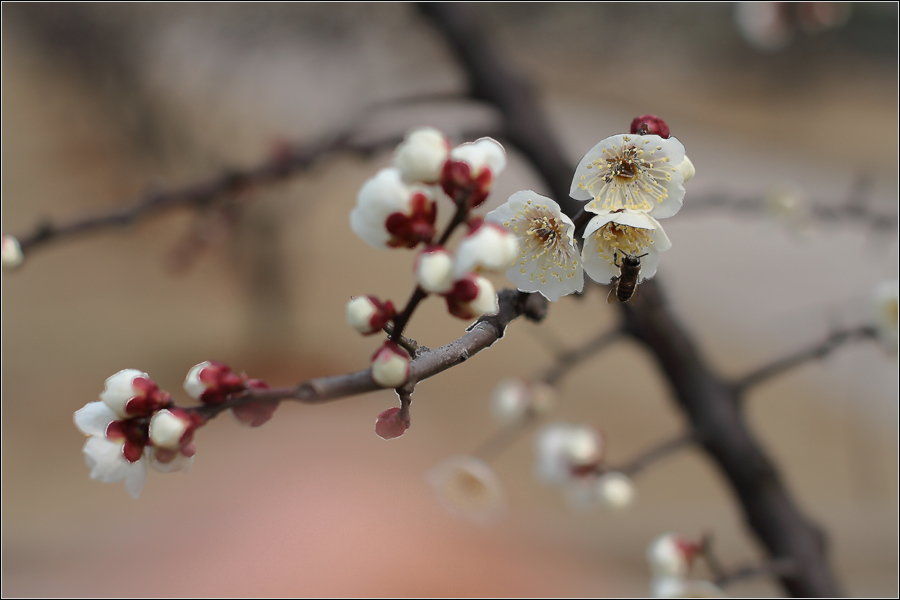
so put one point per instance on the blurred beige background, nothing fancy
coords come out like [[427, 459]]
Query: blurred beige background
[[102, 103]]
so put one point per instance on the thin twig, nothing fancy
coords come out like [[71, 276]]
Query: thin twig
[[776, 567], [795, 359], [656, 453], [569, 359]]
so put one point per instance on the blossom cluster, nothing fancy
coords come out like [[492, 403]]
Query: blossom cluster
[[628, 182], [136, 425], [397, 208], [571, 457]]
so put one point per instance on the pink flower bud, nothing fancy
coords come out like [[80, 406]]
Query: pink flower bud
[[390, 366], [392, 423], [367, 314], [434, 270], [212, 382], [650, 125], [472, 296]]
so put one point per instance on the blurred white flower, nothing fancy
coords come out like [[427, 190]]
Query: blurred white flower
[[470, 172], [466, 486], [635, 173], [564, 450], [622, 233], [676, 587], [11, 252], [422, 154], [670, 555], [884, 306], [611, 491], [548, 260], [484, 153], [392, 214], [513, 398]]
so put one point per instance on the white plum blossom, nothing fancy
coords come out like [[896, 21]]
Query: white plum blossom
[[548, 260], [635, 173], [608, 237], [422, 154], [389, 213], [677, 587], [514, 398], [562, 450], [615, 490], [470, 172], [487, 246], [390, 366], [11, 252], [434, 270], [466, 486], [132, 393], [167, 429]]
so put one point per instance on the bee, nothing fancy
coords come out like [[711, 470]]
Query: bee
[[624, 286]]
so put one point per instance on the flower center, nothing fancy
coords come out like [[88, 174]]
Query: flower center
[[626, 167], [625, 239]]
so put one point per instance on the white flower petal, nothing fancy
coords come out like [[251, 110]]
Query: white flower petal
[[614, 234], [379, 197], [119, 389], [421, 156], [94, 418], [135, 477], [179, 463], [548, 260], [632, 172], [105, 459]]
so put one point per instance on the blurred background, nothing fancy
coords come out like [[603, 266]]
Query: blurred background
[[102, 103]]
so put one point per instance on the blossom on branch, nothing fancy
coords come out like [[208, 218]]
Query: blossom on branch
[[422, 155], [513, 399], [11, 252], [211, 382], [390, 365], [434, 270], [608, 237], [671, 555], [486, 246], [548, 260], [131, 393], [676, 587], [392, 423], [467, 487], [468, 175], [392, 214], [472, 296], [635, 173], [367, 314], [565, 452]]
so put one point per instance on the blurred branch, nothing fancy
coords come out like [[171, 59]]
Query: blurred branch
[[656, 453], [791, 361], [711, 405], [428, 362], [569, 359]]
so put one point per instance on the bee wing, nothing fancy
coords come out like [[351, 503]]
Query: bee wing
[[634, 294], [613, 288]]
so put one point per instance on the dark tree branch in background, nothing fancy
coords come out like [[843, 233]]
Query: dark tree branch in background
[[656, 453], [791, 361], [569, 359], [711, 405]]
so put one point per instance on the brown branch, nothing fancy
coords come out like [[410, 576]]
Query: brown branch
[[654, 454], [711, 405], [428, 362], [793, 360], [569, 359]]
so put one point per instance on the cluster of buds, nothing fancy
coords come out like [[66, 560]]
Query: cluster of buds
[[628, 181], [571, 456], [397, 208], [135, 425], [670, 557]]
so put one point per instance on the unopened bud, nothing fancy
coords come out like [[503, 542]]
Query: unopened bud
[[392, 423], [421, 156], [367, 314], [687, 169], [434, 270], [212, 382], [390, 366], [487, 246], [615, 490], [167, 429], [670, 555], [131, 393], [472, 296], [649, 125]]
